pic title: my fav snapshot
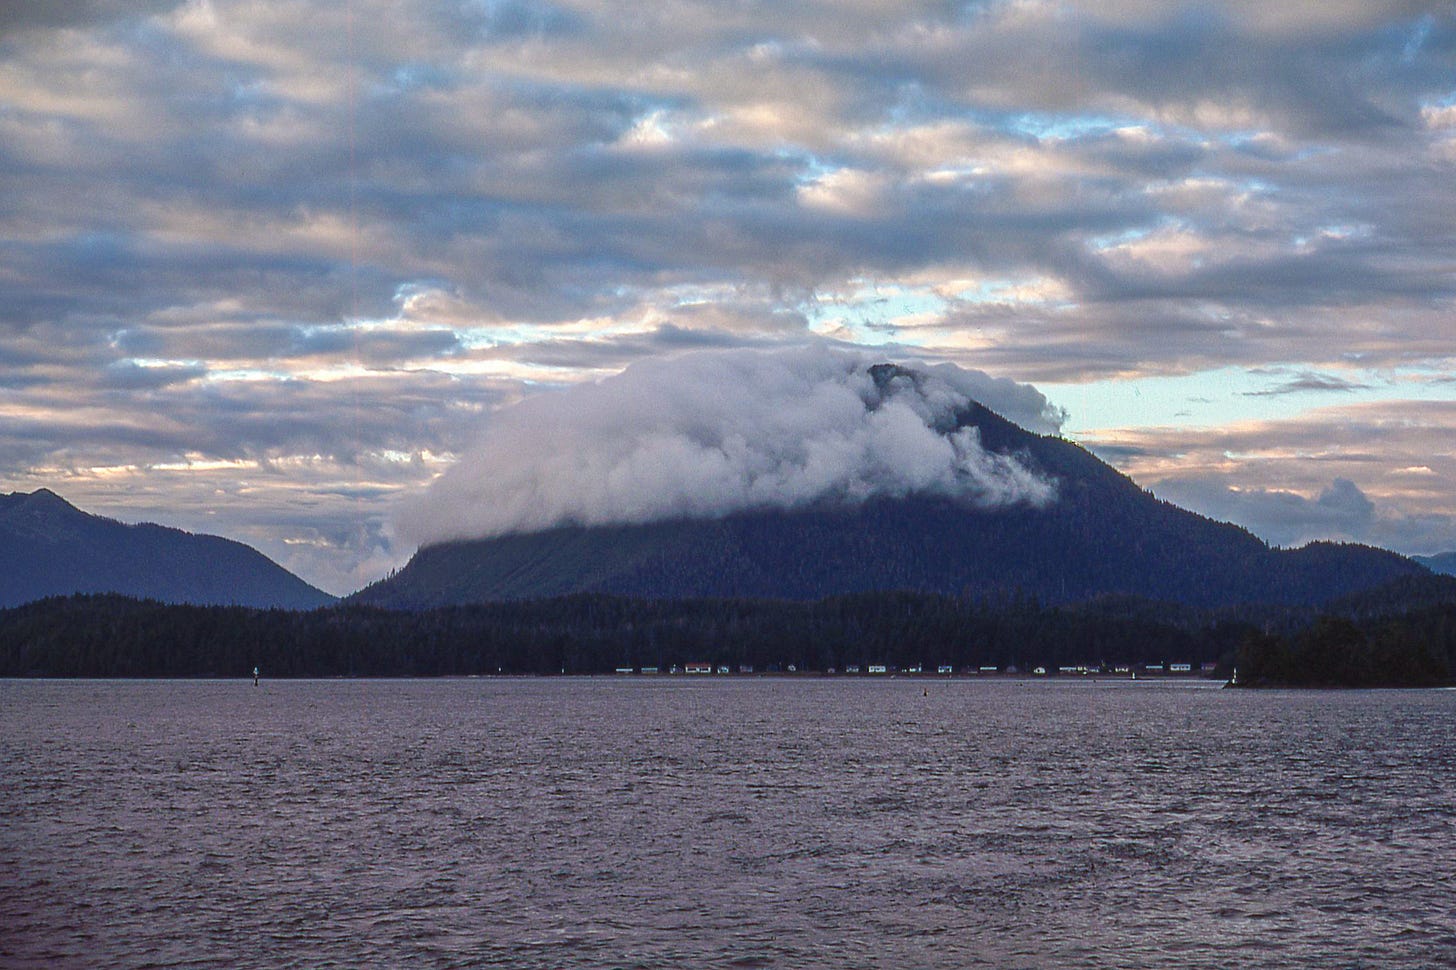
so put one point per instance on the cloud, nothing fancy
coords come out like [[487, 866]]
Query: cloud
[[1309, 381], [1375, 472], [1283, 518], [709, 433], [128, 375], [32, 15], [1341, 511]]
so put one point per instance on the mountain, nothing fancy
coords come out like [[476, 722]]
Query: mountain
[[1443, 563], [1102, 535], [48, 547]]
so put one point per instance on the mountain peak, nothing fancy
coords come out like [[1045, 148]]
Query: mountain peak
[[41, 505], [1444, 562], [48, 547], [39, 496], [1100, 535]]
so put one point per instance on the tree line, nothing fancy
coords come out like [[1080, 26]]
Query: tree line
[[1415, 650], [115, 636]]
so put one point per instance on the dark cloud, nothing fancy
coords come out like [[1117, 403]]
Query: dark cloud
[[1340, 510], [1117, 454], [1309, 382], [1200, 54], [24, 15], [130, 376], [376, 346], [597, 353], [1289, 480]]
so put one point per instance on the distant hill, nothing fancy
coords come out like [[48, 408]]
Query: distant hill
[[1103, 535], [48, 547], [1443, 563]]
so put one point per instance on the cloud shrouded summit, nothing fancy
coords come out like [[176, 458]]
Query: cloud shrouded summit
[[711, 433]]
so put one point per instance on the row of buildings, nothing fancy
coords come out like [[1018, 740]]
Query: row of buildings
[[945, 670]]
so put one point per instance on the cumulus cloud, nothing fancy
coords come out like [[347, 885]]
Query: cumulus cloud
[[710, 433]]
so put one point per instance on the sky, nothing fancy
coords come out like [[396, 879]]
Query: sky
[[268, 269]]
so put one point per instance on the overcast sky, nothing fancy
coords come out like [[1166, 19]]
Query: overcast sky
[[266, 268]]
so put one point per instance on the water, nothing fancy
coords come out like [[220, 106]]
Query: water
[[662, 822]]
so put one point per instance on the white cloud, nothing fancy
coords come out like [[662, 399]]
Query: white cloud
[[710, 433]]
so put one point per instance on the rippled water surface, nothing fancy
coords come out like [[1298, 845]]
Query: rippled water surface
[[663, 822]]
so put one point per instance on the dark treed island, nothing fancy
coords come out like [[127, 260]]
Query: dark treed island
[[1400, 635]]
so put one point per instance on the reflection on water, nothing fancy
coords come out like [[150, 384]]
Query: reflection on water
[[659, 822]]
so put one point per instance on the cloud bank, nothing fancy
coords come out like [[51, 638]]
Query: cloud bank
[[1373, 472], [715, 432], [1340, 511]]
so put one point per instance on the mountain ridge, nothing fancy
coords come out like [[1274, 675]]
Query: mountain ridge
[[48, 547], [1103, 534], [1443, 563]]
